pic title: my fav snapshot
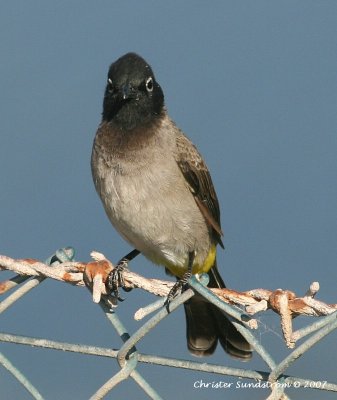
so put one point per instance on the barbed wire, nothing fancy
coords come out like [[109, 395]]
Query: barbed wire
[[239, 306]]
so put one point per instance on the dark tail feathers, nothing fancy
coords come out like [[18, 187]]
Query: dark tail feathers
[[206, 324]]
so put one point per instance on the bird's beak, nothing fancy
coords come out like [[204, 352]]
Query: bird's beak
[[129, 92], [126, 90]]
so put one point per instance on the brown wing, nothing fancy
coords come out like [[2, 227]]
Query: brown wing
[[199, 179]]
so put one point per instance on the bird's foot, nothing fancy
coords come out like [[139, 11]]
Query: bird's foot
[[177, 289], [181, 284], [116, 279]]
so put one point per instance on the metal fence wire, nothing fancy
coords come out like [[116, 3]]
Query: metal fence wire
[[128, 357]]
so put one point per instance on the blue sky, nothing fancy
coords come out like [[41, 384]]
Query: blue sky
[[253, 84]]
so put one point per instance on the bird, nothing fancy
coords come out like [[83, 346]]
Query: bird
[[158, 194]]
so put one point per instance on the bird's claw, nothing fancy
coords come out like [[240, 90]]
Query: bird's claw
[[177, 289], [116, 279]]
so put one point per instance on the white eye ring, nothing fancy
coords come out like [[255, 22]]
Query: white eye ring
[[149, 84]]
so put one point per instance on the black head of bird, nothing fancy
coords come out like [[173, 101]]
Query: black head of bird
[[132, 96]]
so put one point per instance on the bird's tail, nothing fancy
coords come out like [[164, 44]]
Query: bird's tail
[[206, 325]]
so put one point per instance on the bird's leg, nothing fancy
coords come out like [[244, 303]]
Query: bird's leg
[[115, 278], [181, 283]]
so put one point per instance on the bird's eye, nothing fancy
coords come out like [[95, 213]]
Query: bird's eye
[[110, 85], [149, 84]]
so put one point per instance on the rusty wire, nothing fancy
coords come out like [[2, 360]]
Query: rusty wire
[[128, 357]]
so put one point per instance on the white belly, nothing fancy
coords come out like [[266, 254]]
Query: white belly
[[154, 210]]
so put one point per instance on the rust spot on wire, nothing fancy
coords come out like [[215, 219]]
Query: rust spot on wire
[[4, 286], [67, 277], [29, 260]]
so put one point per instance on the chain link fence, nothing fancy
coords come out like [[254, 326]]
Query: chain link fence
[[129, 358]]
